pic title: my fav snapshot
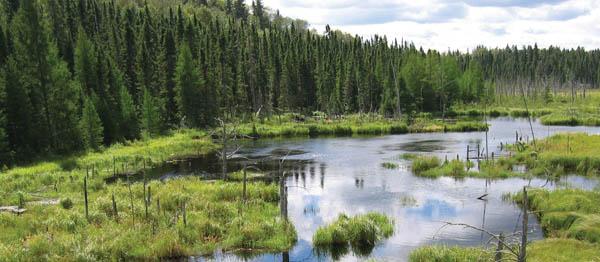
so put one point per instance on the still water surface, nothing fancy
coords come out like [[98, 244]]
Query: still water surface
[[344, 175]]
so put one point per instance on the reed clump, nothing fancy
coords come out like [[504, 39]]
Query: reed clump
[[449, 254], [361, 232]]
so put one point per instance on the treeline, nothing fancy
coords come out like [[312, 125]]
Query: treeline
[[79, 74], [536, 71]]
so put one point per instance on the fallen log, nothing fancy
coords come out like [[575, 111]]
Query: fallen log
[[13, 209]]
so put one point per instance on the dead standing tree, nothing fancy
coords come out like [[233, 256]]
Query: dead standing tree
[[282, 188], [226, 134]]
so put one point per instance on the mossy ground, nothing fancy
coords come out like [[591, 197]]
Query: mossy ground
[[215, 215]]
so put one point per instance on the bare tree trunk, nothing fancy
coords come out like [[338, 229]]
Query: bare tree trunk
[[523, 252], [498, 257], [224, 150]]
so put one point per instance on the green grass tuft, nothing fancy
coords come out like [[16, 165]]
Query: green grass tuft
[[389, 165], [449, 254], [361, 233]]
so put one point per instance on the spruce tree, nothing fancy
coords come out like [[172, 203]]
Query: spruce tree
[[189, 82], [30, 73], [129, 122], [63, 105], [258, 10], [3, 48], [91, 126], [19, 112], [5, 151], [86, 70], [228, 7], [240, 10], [151, 123], [169, 65]]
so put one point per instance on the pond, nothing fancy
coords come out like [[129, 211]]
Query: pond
[[345, 175]]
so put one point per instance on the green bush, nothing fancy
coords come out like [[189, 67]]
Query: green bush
[[66, 203]]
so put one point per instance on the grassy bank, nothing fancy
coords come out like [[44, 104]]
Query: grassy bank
[[175, 218], [573, 153], [301, 126], [551, 157], [552, 249], [567, 213], [47, 179], [559, 109], [566, 119]]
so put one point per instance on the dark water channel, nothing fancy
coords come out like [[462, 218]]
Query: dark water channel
[[345, 175]]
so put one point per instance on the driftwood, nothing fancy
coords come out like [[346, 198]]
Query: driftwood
[[18, 211], [13, 209]]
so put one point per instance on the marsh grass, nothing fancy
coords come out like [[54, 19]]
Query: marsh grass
[[48, 179], [358, 124], [389, 165], [556, 110], [562, 250], [570, 213], [572, 152], [361, 233], [421, 164], [568, 119], [552, 249], [432, 167], [215, 216], [449, 254]]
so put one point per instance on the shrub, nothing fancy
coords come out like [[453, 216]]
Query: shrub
[[66, 203]]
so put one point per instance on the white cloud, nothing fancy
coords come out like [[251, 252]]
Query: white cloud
[[457, 24]]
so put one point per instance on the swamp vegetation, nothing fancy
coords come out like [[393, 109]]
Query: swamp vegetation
[[570, 218], [141, 221], [96, 94]]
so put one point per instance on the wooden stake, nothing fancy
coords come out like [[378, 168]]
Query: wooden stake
[[157, 205], [148, 200], [244, 198], [131, 200], [184, 215], [114, 206], [85, 197]]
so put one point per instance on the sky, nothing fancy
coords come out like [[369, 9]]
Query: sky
[[456, 24]]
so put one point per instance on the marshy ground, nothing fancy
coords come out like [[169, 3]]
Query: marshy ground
[[191, 213]]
